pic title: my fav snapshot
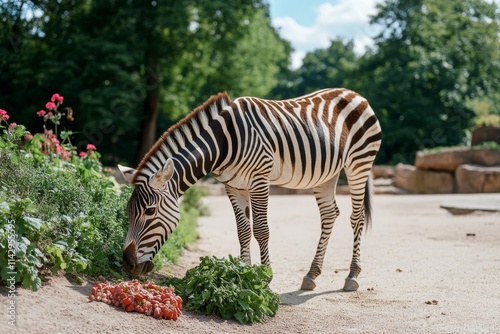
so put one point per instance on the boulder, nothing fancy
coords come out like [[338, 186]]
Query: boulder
[[449, 159], [421, 181], [477, 179], [382, 171], [485, 157], [405, 177], [485, 134]]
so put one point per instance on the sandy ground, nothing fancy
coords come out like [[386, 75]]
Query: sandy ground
[[415, 253]]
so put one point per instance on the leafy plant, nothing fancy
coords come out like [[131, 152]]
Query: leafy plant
[[229, 288], [61, 210]]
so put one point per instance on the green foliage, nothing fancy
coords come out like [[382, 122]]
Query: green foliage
[[131, 64], [192, 198], [430, 60], [60, 210], [490, 145], [75, 220], [229, 288]]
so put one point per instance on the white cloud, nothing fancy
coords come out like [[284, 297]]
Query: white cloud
[[347, 19]]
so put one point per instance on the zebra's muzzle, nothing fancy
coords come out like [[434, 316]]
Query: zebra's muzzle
[[130, 264]]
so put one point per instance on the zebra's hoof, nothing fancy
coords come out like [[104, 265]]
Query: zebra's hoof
[[351, 284], [308, 283]]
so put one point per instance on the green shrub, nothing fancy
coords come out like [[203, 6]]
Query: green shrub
[[60, 209]]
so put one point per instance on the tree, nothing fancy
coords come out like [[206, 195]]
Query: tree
[[130, 68], [431, 59], [322, 68]]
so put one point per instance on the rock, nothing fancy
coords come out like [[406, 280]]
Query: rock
[[477, 179], [485, 134], [443, 160], [405, 177], [484, 157], [420, 181], [430, 182], [382, 171], [449, 159]]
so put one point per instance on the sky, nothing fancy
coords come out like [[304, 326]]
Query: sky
[[312, 24]]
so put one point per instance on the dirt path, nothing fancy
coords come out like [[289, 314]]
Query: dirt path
[[415, 253]]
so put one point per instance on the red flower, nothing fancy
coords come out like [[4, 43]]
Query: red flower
[[3, 115], [41, 113], [28, 136], [57, 98], [82, 154], [50, 105], [91, 147]]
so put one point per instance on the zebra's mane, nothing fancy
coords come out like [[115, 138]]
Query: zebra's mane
[[174, 139]]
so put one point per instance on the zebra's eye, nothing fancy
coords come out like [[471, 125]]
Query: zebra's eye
[[150, 211]]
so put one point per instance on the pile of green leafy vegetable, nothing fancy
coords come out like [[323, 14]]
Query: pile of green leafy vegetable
[[229, 288]]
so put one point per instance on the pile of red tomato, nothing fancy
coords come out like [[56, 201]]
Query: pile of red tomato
[[147, 298]]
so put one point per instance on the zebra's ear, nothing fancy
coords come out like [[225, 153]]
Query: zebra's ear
[[163, 175], [128, 173]]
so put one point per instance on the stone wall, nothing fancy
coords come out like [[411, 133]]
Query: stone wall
[[460, 170]]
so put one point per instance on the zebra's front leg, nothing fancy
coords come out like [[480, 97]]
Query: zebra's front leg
[[259, 197], [329, 211], [241, 207]]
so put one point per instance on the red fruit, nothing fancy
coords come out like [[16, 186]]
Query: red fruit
[[167, 313], [139, 309], [157, 313], [92, 298], [130, 308], [126, 301], [179, 302]]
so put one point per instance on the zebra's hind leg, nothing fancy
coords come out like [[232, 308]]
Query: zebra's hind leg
[[359, 186], [329, 211], [240, 201]]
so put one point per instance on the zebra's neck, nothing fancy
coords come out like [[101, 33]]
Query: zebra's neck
[[196, 145]]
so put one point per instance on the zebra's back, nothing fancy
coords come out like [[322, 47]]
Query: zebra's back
[[314, 136]]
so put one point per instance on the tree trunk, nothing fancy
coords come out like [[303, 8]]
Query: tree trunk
[[151, 82]]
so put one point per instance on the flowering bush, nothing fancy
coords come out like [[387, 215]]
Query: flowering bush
[[68, 214]]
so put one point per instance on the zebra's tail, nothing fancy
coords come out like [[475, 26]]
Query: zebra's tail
[[368, 202]]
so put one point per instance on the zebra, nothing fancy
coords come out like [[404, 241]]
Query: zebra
[[249, 144]]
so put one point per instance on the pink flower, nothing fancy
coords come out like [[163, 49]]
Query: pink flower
[[41, 113], [91, 147], [50, 105], [57, 98], [82, 154], [3, 115], [65, 154], [12, 125], [28, 136], [50, 114]]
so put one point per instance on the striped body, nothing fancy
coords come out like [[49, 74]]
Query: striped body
[[249, 144]]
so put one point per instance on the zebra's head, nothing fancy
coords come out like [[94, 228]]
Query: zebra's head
[[153, 212]]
